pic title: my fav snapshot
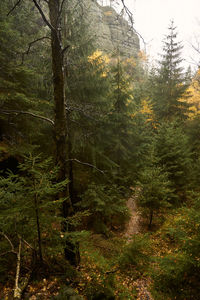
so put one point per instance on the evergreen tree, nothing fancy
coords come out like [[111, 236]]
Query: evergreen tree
[[23, 95], [120, 122], [180, 270], [87, 89], [30, 210], [155, 186], [174, 154], [170, 82]]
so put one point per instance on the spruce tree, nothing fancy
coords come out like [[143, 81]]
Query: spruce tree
[[170, 81], [155, 187], [30, 210], [174, 153], [22, 78], [120, 121]]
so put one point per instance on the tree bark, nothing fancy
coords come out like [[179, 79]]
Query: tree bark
[[60, 121], [17, 289]]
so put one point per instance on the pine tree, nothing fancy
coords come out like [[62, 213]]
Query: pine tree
[[170, 82]]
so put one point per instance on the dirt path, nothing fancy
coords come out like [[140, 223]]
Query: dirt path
[[134, 227]]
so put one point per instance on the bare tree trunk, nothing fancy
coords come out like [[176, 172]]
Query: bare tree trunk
[[61, 134], [17, 290]]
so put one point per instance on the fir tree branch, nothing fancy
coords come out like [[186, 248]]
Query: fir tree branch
[[86, 164], [13, 8], [26, 113]]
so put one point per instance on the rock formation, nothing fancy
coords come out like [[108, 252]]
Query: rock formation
[[111, 30]]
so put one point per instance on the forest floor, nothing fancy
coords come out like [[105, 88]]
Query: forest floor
[[96, 258], [134, 226]]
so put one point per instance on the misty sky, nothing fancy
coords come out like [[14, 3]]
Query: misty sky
[[152, 18]]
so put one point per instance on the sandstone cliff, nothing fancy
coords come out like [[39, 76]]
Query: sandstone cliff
[[111, 31]]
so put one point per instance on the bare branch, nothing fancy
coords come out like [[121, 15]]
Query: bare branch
[[35, 41], [44, 17], [197, 49], [86, 164], [10, 243], [130, 16], [61, 7], [5, 253], [127, 10], [7, 238], [65, 49], [26, 113], [13, 8]]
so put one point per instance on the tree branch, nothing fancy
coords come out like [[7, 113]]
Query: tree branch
[[65, 49], [10, 243], [61, 7], [13, 8], [27, 244], [128, 12], [44, 17], [130, 15], [86, 164], [26, 113], [35, 41]]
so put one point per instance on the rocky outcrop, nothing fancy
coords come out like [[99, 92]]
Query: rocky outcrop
[[111, 31]]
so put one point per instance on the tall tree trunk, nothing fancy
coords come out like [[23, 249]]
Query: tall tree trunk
[[62, 155]]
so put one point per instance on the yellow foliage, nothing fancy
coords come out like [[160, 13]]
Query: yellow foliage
[[100, 60], [130, 62], [146, 107], [194, 99], [98, 57]]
